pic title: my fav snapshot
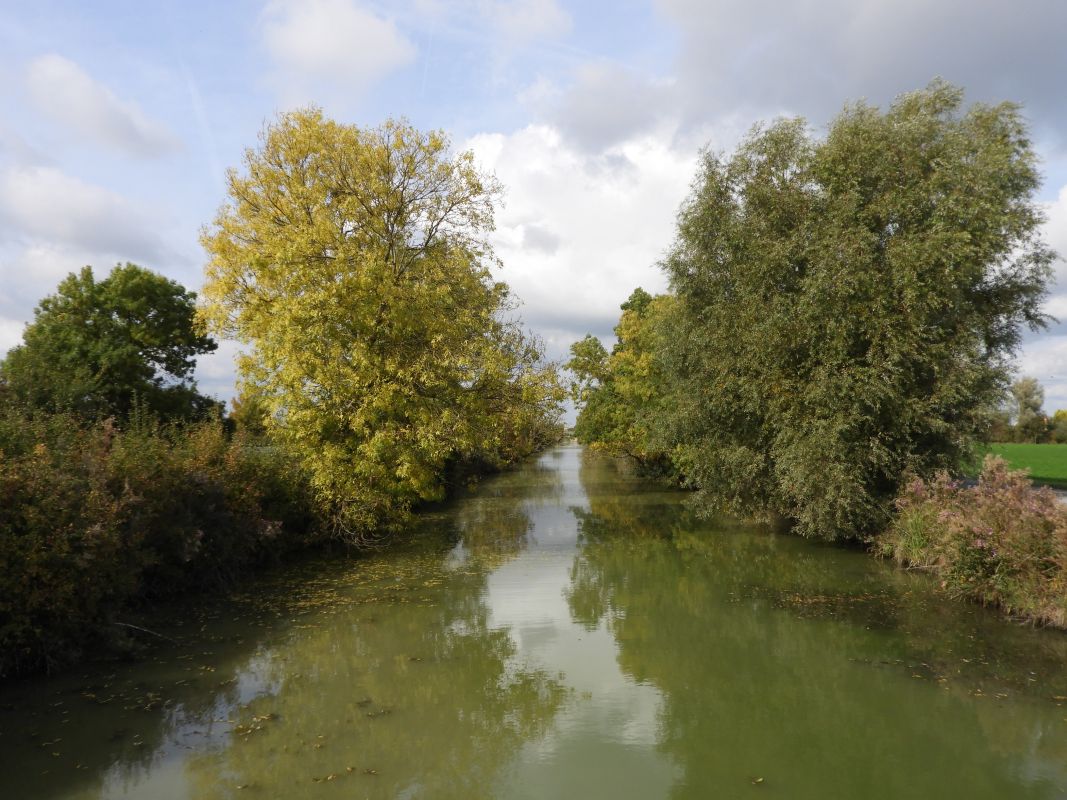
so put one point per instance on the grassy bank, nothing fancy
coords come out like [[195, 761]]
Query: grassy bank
[[1047, 463], [1002, 542]]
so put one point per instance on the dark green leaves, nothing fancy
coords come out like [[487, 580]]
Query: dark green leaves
[[99, 348], [847, 307]]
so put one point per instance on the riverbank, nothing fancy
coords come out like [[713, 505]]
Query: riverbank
[[566, 629], [1001, 542], [98, 523]]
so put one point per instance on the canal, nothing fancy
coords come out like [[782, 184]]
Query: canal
[[566, 630]]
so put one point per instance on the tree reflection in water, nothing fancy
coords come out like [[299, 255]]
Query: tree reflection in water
[[816, 669], [381, 673]]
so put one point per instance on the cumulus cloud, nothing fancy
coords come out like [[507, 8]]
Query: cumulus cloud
[[331, 46], [756, 59], [216, 372], [66, 93], [608, 219], [52, 224], [607, 104], [10, 334], [46, 204], [1046, 360], [1055, 231], [809, 58], [540, 238]]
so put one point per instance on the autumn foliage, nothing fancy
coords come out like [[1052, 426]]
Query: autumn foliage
[[1003, 541]]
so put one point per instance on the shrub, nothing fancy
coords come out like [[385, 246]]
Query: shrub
[[93, 518], [1002, 541]]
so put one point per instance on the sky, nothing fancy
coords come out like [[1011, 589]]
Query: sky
[[118, 121]]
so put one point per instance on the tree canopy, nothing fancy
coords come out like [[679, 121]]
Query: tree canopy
[[101, 347], [843, 312], [1027, 414], [618, 393], [847, 307], [356, 264]]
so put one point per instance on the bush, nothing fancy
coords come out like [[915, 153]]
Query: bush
[[93, 518], [1002, 542]]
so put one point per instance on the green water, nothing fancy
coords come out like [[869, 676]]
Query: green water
[[567, 631]]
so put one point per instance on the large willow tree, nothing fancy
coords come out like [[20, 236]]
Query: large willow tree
[[356, 265], [847, 307]]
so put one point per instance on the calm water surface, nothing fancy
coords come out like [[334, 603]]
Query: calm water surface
[[567, 631]]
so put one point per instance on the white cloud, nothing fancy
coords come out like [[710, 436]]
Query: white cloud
[[1046, 360], [1055, 231], [43, 204], [607, 104], [765, 56], [579, 232], [65, 92], [216, 373], [335, 46], [52, 224], [10, 334], [29, 273]]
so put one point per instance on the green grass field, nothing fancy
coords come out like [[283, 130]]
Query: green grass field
[[1047, 462]]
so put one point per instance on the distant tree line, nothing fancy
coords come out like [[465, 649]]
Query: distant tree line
[[1021, 417]]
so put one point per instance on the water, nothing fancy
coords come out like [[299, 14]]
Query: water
[[565, 631]]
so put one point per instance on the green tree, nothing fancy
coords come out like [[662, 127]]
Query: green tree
[[100, 348], [249, 411], [1059, 426], [847, 307], [618, 395], [356, 264], [1028, 398]]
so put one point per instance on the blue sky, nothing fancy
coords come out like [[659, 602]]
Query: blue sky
[[118, 120]]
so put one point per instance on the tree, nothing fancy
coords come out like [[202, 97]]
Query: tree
[[1028, 397], [249, 411], [618, 395], [847, 308], [1059, 426], [356, 264], [100, 348]]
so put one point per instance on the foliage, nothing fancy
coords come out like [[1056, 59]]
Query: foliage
[[100, 348], [1002, 542], [846, 307], [92, 517], [1059, 426], [618, 395], [1029, 419], [355, 262], [249, 411]]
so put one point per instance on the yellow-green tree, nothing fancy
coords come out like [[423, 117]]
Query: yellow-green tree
[[355, 263], [619, 395]]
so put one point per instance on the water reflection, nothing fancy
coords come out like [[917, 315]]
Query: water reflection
[[567, 630], [813, 671], [383, 674]]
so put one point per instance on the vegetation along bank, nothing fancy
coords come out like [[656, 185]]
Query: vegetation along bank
[[834, 347], [380, 361], [838, 338]]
